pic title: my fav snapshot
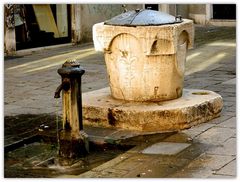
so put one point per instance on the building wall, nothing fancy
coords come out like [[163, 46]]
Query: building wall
[[183, 10], [9, 30], [89, 14], [172, 9], [84, 16], [197, 12], [95, 13], [197, 8]]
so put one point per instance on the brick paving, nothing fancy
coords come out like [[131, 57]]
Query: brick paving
[[30, 82]]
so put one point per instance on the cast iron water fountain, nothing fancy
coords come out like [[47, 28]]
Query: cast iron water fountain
[[73, 140], [41, 155]]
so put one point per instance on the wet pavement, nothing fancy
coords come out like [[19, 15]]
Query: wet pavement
[[34, 153], [205, 151]]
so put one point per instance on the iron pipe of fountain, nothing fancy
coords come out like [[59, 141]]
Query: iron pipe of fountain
[[71, 72], [80, 104], [73, 140]]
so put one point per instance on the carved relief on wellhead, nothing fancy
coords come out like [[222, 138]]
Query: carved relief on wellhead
[[123, 59]]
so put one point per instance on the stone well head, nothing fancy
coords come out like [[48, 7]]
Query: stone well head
[[145, 53]]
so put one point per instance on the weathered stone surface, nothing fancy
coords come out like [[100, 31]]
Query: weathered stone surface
[[194, 107], [164, 32], [145, 63]]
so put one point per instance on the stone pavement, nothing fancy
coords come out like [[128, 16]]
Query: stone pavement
[[30, 82]]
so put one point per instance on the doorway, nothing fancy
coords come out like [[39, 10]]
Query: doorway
[[42, 25], [224, 11], [152, 6]]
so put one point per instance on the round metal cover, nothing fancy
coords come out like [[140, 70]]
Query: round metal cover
[[143, 17]]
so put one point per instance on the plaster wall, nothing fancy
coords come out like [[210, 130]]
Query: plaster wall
[[95, 13]]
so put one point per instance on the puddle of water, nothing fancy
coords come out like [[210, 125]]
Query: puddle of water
[[36, 154], [40, 159], [200, 93]]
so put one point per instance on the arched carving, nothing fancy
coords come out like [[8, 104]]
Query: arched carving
[[119, 35], [160, 46], [183, 42], [183, 37]]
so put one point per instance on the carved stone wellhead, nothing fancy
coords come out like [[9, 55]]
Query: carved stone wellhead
[[145, 53]]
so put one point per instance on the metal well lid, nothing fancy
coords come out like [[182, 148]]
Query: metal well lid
[[143, 17]]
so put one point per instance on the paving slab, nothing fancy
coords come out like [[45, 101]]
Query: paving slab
[[203, 166], [230, 82], [216, 135], [229, 169], [212, 161], [166, 148], [226, 148], [197, 130], [230, 123]]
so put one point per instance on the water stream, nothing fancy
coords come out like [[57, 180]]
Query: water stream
[[57, 126]]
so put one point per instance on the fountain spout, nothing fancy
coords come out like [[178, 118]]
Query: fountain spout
[[65, 85], [58, 90]]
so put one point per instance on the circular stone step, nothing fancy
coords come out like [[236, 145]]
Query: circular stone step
[[194, 107]]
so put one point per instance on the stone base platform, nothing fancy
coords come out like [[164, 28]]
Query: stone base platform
[[194, 107]]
